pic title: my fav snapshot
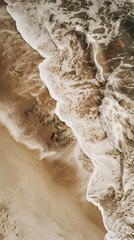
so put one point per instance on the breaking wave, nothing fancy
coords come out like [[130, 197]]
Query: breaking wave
[[86, 110]]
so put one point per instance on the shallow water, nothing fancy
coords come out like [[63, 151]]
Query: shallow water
[[88, 71]]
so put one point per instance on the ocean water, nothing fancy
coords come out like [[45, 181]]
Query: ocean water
[[86, 62]]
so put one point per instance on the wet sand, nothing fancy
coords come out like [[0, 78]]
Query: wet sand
[[32, 205]]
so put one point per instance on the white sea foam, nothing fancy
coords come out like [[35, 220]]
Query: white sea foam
[[40, 24]]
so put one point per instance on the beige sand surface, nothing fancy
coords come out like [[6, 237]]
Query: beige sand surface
[[32, 205]]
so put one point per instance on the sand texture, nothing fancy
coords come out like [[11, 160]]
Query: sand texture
[[66, 93]]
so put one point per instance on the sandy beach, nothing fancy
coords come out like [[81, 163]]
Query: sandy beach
[[32, 205], [66, 120]]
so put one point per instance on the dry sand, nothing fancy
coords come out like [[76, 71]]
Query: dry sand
[[32, 205]]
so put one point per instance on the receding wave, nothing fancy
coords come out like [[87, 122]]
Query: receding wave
[[83, 109]]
